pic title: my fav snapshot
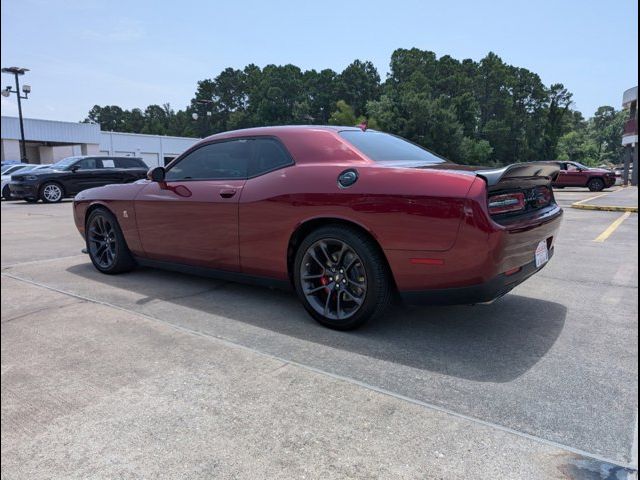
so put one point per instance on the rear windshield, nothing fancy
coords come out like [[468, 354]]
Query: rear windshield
[[382, 147]]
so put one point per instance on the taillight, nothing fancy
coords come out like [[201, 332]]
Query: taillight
[[506, 203], [543, 196]]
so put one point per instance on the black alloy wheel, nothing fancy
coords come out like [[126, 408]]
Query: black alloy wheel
[[106, 244], [596, 184], [341, 277]]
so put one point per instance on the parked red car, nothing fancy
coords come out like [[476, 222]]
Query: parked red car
[[574, 174], [347, 217]]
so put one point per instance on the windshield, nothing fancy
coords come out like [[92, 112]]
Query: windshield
[[65, 163], [13, 168], [7, 167], [579, 165], [383, 147]]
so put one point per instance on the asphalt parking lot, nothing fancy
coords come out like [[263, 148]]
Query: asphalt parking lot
[[155, 373]]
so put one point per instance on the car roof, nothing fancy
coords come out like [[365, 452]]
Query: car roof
[[80, 157], [277, 130]]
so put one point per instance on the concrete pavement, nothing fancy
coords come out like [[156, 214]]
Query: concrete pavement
[[617, 200], [509, 391]]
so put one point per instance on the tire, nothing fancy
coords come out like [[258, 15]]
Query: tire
[[106, 245], [596, 184], [51, 192], [346, 286], [6, 192]]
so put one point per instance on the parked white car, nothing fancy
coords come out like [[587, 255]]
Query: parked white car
[[21, 167]]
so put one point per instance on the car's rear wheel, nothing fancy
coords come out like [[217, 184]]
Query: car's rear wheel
[[341, 277], [106, 245], [596, 184], [51, 192]]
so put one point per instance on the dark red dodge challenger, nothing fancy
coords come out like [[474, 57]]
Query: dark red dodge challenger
[[348, 217]]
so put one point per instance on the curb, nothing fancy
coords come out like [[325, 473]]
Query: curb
[[605, 208]]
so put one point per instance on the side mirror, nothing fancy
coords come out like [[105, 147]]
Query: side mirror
[[74, 168], [156, 174]]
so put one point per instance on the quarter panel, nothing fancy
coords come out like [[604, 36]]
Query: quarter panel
[[404, 209]]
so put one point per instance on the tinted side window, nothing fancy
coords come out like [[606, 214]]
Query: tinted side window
[[223, 160], [87, 164], [268, 155], [129, 163]]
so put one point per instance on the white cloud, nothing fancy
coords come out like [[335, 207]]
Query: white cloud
[[125, 30]]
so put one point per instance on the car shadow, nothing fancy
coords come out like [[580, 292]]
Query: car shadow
[[485, 343]]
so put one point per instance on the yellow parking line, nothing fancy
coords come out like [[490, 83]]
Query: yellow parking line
[[612, 228], [593, 198]]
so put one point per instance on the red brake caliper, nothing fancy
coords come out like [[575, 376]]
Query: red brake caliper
[[325, 281]]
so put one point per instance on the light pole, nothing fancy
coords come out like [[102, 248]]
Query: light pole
[[17, 71], [195, 115]]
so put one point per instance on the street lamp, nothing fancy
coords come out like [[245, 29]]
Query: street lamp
[[26, 89], [203, 102]]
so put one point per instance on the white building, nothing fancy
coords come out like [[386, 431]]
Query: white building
[[630, 135], [48, 141]]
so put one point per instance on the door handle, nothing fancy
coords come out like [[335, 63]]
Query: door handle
[[227, 192]]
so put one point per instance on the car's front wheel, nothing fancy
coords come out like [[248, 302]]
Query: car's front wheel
[[6, 192], [106, 245], [51, 192], [596, 184], [341, 277]]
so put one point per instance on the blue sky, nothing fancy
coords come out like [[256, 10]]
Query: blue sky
[[136, 53]]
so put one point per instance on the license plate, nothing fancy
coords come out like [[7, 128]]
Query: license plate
[[542, 254]]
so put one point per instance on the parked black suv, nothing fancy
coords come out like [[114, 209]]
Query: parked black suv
[[74, 174]]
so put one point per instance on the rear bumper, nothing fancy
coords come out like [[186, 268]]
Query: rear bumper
[[479, 293], [484, 250]]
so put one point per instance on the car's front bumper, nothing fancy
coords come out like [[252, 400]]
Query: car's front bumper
[[479, 293], [23, 190]]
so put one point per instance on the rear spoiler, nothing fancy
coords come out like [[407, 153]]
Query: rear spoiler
[[519, 170]]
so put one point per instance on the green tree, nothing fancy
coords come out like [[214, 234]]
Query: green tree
[[486, 112], [344, 115], [475, 152], [357, 84], [606, 131], [110, 117], [559, 101], [577, 147]]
